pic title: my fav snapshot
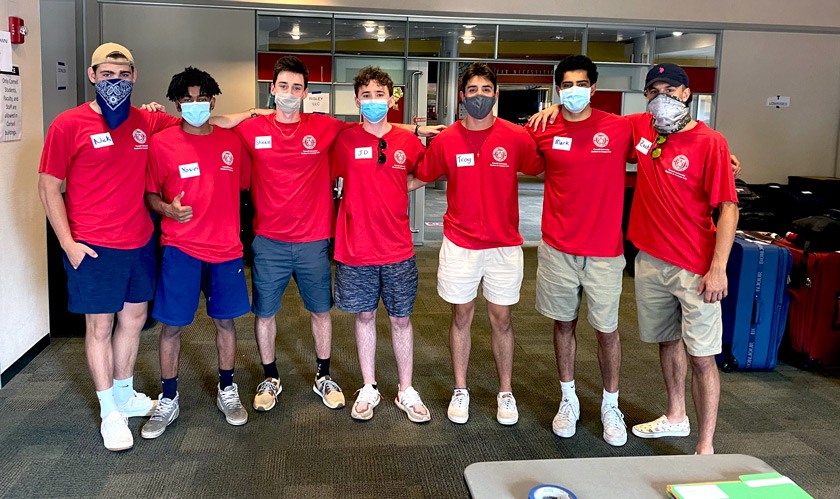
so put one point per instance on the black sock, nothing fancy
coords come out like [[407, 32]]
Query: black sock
[[170, 387], [322, 367], [374, 386], [225, 378], [270, 370]]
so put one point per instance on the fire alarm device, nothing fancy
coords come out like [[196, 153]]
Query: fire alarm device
[[17, 30]]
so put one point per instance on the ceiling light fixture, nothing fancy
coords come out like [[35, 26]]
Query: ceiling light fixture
[[370, 26], [677, 33], [295, 34], [380, 34], [468, 35]]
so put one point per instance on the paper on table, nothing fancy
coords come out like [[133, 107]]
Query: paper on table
[[706, 491]]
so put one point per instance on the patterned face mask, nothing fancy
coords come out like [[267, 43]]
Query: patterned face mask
[[670, 114], [114, 98]]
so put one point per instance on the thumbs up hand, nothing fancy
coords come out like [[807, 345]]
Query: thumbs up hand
[[177, 211]]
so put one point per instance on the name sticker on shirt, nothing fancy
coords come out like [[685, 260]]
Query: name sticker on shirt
[[562, 143], [644, 145], [189, 170], [465, 160], [101, 140], [263, 142], [364, 153]]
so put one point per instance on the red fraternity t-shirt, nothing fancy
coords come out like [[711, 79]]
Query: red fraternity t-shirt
[[210, 170], [585, 164], [482, 192], [105, 172], [373, 225], [290, 176], [671, 218]]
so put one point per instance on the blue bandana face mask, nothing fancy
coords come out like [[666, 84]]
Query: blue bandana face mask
[[114, 98], [195, 113], [575, 98], [374, 110]]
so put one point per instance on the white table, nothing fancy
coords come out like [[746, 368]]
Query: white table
[[606, 477]]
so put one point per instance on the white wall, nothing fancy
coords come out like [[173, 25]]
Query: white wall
[[24, 308], [165, 40], [774, 143]]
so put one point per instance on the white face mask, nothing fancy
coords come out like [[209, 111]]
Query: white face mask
[[670, 114], [287, 103]]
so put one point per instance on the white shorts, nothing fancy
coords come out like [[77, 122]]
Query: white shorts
[[561, 277], [461, 270], [669, 308]]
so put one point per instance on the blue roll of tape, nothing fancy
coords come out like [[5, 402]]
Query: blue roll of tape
[[548, 491]]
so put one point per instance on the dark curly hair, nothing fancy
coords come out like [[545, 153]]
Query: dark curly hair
[[369, 74], [192, 77]]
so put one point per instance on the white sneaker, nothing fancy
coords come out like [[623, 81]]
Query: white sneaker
[[139, 405], [506, 412], [166, 413], [228, 402], [565, 422], [368, 396], [459, 406], [115, 432], [409, 402], [661, 427], [615, 430]]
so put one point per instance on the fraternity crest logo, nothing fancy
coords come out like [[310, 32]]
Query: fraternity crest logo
[[399, 157], [139, 136], [680, 163], [309, 142], [500, 154], [600, 139], [227, 158]]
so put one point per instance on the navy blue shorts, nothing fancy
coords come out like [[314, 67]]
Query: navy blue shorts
[[102, 285], [276, 262], [358, 288], [183, 277]]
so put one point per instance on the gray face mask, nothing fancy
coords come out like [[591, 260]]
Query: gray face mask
[[479, 106], [670, 114], [287, 103]]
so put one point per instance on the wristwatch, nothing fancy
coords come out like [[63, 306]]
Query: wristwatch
[[417, 129]]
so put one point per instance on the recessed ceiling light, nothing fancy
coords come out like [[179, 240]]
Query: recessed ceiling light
[[677, 33]]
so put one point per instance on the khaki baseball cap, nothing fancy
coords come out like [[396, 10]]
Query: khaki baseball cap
[[100, 55]]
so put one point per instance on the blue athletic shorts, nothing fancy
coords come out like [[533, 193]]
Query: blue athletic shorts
[[276, 262], [358, 288], [102, 285], [183, 277]]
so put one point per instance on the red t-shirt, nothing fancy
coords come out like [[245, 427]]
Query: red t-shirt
[[676, 193], [290, 178], [482, 193], [210, 170], [373, 226], [585, 162], [105, 172]]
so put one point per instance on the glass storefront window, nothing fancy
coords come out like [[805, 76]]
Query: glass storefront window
[[618, 45], [430, 39], [684, 48], [294, 34], [370, 36], [539, 42]]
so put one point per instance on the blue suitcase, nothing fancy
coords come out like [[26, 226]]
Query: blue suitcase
[[755, 310]]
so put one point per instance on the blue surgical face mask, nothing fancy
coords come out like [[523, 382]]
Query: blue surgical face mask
[[374, 110], [195, 113], [114, 99], [575, 99]]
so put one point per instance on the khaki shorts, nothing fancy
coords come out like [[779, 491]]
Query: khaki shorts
[[562, 277], [669, 308], [460, 271]]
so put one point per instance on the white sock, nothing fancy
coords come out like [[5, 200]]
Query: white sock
[[106, 402], [123, 390], [567, 388], [610, 399]]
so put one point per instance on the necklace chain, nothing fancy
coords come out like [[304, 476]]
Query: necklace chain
[[283, 133], [469, 139]]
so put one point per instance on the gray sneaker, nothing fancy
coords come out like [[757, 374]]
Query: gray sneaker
[[166, 412], [228, 402]]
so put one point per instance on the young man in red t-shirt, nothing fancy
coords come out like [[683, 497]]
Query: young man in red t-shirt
[[481, 156], [374, 252], [291, 190], [194, 177], [100, 149], [684, 174], [586, 153]]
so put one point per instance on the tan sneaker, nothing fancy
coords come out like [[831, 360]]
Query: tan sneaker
[[368, 397], [329, 391], [661, 427], [459, 407], [267, 393], [506, 413]]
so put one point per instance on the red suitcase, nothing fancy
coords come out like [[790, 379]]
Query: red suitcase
[[814, 317]]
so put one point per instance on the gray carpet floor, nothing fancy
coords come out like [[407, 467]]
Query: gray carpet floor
[[50, 444]]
